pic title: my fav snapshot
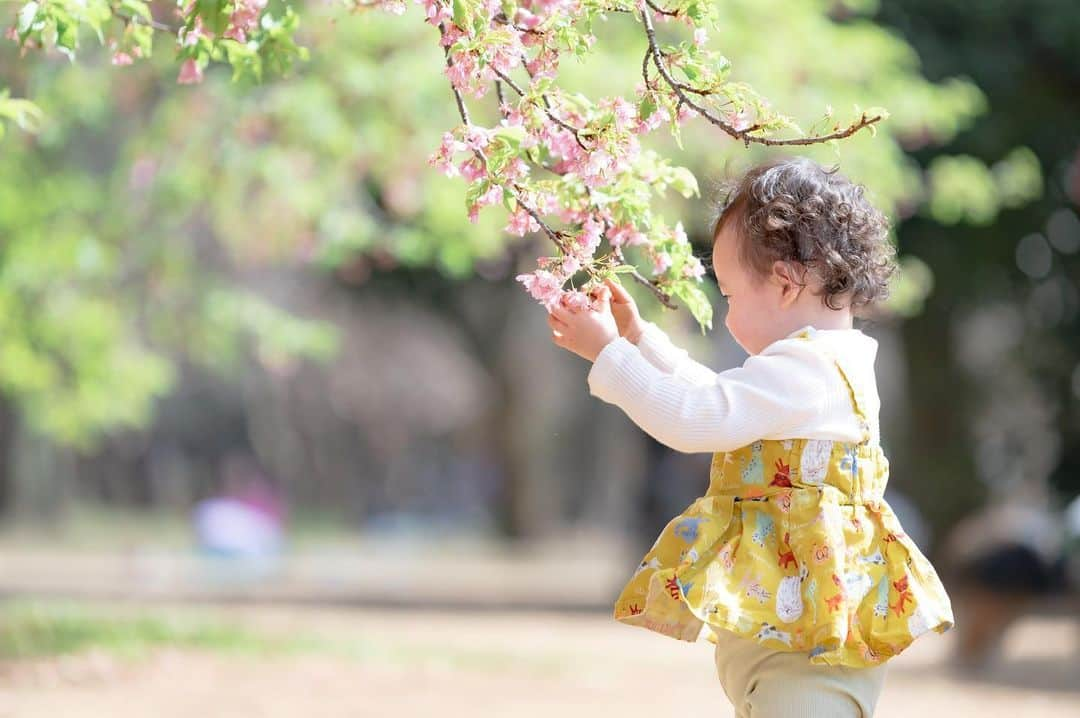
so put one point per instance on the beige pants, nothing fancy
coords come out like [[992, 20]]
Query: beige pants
[[765, 683]]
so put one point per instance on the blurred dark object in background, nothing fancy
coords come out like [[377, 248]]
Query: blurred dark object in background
[[1004, 561]]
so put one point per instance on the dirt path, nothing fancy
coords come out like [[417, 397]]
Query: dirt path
[[428, 663]]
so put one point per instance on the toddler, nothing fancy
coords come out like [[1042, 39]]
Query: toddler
[[792, 563]]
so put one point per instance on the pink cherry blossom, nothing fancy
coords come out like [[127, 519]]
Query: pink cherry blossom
[[521, 223], [739, 120], [576, 300], [477, 138], [657, 118], [187, 38], [443, 158], [524, 18], [436, 11], [190, 73], [461, 71], [548, 202], [494, 195], [626, 234], [589, 238], [544, 286], [121, 59], [661, 262], [516, 169], [694, 268], [625, 113], [701, 37], [244, 19], [562, 142], [596, 170], [570, 265], [472, 169], [680, 234], [506, 57], [545, 64], [466, 75], [451, 35], [511, 116]]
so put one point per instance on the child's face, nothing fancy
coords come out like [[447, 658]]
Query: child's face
[[755, 315]]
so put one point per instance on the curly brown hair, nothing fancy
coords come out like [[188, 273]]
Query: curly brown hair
[[793, 209]]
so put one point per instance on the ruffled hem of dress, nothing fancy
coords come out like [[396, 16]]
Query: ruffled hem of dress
[[833, 650], [665, 608], [830, 640]]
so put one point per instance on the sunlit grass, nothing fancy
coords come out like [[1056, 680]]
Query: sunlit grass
[[35, 630], [44, 629]]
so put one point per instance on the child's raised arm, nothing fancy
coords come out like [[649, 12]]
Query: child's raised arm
[[783, 387], [656, 346]]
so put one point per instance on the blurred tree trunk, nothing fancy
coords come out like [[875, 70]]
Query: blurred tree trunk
[[484, 310], [936, 467]]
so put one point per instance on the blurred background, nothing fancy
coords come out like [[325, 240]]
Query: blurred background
[[275, 417]]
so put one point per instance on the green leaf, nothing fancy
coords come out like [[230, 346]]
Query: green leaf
[[647, 106], [696, 301], [461, 14], [684, 182], [139, 8], [26, 18], [513, 135]]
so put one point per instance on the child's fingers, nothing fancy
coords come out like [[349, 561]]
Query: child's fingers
[[555, 323], [618, 294], [599, 293], [562, 314]]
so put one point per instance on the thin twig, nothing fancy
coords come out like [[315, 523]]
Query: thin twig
[[744, 135], [547, 109]]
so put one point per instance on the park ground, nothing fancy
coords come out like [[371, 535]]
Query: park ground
[[119, 659], [102, 623]]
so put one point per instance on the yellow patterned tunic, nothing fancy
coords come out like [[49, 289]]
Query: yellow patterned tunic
[[793, 546]]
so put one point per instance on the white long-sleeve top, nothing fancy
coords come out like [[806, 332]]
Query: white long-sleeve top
[[791, 389]]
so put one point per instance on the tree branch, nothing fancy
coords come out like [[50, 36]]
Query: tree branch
[[744, 134], [515, 190]]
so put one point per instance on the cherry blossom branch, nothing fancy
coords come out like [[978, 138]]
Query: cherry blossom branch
[[662, 296], [662, 11], [463, 111], [139, 20], [744, 134], [547, 108], [554, 235]]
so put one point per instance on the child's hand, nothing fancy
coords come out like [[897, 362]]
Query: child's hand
[[625, 311], [584, 332]]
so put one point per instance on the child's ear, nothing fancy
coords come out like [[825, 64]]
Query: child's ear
[[789, 279]]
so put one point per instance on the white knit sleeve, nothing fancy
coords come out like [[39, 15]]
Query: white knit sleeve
[[656, 346], [783, 387]]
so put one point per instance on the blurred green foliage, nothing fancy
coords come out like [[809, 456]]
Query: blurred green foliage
[[130, 220]]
